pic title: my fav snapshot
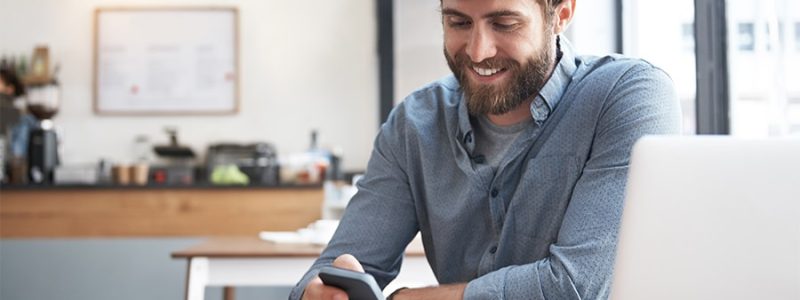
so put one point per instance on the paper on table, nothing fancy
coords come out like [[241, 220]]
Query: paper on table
[[288, 237], [319, 232]]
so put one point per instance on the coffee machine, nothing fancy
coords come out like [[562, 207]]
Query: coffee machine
[[43, 157]]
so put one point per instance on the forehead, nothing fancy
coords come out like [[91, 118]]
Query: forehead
[[476, 8]]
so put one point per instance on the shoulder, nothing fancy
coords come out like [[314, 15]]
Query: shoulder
[[433, 103], [616, 78], [631, 93], [424, 117], [612, 69]]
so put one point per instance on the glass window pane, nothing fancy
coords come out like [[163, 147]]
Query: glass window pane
[[746, 38], [763, 67], [797, 37], [662, 32]]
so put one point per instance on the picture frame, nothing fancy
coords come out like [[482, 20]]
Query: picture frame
[[166, 61]]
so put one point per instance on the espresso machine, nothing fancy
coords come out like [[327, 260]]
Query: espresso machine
[[43, 101]]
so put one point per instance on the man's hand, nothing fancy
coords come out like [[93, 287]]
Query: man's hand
[[316, 290]]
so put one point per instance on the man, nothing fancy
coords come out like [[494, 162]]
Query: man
[[15, 123], [513, 169]]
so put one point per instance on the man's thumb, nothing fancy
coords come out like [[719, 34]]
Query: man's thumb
[[347, 261]]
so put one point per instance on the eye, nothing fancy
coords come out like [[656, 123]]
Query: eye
[[505, 26], [457, 22]]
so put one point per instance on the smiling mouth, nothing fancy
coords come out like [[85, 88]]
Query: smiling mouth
[[488, 75], [485, 72]]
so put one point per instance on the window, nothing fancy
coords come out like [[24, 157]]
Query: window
[[687, 37], [774, 40], [763, 69], [797, 36], [746, 38]]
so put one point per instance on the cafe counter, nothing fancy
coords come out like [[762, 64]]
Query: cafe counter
[[154, 211]]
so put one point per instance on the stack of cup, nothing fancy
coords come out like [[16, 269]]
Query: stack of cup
[[130, 174]]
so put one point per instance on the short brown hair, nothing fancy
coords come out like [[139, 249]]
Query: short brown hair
[[549, 7]]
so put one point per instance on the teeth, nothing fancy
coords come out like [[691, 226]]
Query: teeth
[[486, 72]]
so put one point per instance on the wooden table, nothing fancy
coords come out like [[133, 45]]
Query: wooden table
[[249, 261]]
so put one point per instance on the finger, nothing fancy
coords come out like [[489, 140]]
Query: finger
[[316, 289], [347, 261], [332, 293], [313, 289]]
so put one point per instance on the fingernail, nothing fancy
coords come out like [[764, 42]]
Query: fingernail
[[340, 296]]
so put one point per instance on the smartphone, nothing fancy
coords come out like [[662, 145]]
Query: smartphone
[[359, 286]]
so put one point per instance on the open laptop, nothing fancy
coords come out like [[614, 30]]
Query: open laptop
[[710, 218]]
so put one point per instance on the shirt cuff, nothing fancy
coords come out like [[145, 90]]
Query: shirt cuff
[[489, 286]]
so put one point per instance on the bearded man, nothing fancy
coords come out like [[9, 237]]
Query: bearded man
[[513, 169]]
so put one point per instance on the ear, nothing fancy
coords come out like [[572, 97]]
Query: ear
[[563, 15]]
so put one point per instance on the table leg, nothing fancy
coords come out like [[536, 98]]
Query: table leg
[[197, 279], [228, 293]]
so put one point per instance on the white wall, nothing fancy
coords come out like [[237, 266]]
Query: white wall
[[303, 65], [418, 44], [592, 30]]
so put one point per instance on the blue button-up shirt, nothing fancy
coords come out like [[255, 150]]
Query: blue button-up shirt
[[544, 226]]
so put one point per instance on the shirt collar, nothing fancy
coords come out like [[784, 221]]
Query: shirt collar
[[554, 88], [545, 101]]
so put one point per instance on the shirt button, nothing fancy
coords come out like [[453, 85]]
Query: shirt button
[[495, 192], [493, 249]]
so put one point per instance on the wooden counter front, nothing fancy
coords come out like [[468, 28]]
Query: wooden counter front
[[82, 213]]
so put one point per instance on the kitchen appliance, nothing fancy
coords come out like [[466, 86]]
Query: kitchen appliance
[[42, 102], [175, 164], [42, 153], [259, 161]]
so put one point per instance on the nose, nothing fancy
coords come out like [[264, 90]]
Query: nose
[[481, 45]]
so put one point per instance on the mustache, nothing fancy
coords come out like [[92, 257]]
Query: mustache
[[462, 60]]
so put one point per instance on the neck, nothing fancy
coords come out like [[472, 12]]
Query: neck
[[519, 114]]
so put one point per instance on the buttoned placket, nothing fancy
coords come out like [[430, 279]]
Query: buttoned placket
[[497, 196]]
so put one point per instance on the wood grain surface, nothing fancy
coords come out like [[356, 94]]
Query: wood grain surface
[[76, 213]]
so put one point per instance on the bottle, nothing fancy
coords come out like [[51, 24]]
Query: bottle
[[141, 149], [22, 66]]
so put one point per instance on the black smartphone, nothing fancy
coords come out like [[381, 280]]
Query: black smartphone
[[359, 286]]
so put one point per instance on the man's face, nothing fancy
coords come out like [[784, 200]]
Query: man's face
[[500, 51]]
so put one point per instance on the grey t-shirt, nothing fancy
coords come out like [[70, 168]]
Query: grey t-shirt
[[492, 141]]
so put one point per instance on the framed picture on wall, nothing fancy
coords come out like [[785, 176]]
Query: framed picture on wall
[[166, 60]]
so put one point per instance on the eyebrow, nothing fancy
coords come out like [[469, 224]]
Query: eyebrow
[[502, 13], [491, 15], [453, 12]]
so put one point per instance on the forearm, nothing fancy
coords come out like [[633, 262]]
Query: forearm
[[447, 291], [543, 279]]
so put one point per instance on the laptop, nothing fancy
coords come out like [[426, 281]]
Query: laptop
[[710, 218]]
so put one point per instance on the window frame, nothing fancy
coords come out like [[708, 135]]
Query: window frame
[[711, 56]]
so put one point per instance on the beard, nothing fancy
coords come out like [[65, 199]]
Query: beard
[[524, 82]]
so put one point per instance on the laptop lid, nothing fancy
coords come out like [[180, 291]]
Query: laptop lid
[[710, 218]]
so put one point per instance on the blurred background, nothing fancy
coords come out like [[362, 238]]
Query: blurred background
[[134, 129]]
